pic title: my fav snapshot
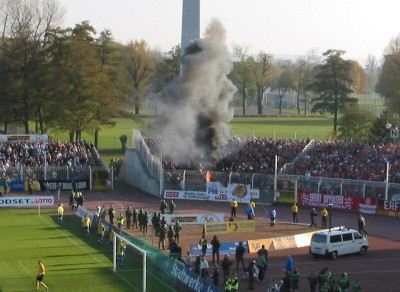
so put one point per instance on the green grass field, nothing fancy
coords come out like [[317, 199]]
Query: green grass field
[[73, 262]]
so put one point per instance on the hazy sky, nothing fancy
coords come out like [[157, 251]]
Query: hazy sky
[[280, 27]]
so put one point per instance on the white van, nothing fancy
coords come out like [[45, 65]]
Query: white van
[[338, 241]]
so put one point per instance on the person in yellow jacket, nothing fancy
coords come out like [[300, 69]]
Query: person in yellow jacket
[[295, 210], [120, 220], [100, 233], [324, 214], [121, 252], [235, 283], [60, 213], [234, 205], [86, 223], [228, 285]]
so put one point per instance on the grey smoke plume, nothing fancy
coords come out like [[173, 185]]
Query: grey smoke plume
[[197, 101]]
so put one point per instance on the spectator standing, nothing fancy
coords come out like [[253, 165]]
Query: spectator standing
[[215, 275], [30, 186], [287, 282], [361, 224], [251, 270], [273, 286], [263, 251], [295, 210], [188, 259], [204, 268], [111, 214], [234, 205], [313, 215], [135, 219], [356, 286], [250, 212], [295, 279], [71, 198], [344, 282], [170, 234], [128, 215], [163, 207], [177, 230], [226, 267], [289, 264], [215, 245], [324, 216], [203, 245], [261, 263], [239, 255], [272, 216], [103, 213], [172, 207], [313, 280], [58, 190], [162, 235], [155, 222], [45, 185]]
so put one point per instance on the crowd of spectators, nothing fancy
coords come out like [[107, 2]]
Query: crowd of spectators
[[333, 159], [16, 154], [356, 161]]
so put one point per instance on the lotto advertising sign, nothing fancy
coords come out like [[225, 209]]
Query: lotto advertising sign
[[27, 201]]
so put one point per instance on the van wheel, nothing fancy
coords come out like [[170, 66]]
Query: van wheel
[[334, 255], [363, 250]]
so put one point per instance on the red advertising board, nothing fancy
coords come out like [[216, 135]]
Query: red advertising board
[[364, 205]]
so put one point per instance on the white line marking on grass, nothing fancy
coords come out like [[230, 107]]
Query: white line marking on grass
[[74, 242], [24, 268]]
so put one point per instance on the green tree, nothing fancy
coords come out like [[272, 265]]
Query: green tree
[[355, 123], [25, 25], [284, 82], [332, 86], [389, 80], [379, 132], [81, 83], [139, 60], [262, 77], [241, 74]]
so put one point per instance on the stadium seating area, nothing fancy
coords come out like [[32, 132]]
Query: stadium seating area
[[14, 154], [357, 161]]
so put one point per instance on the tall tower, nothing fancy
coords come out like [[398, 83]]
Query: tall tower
[[190, 22]]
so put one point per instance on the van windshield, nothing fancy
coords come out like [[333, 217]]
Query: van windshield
[[320, 238]]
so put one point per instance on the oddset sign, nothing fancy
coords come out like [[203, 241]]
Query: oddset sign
[[27, 201]]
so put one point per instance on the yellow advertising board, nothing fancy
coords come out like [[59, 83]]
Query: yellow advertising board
[[255, 245], [230, 226], [284, 242]]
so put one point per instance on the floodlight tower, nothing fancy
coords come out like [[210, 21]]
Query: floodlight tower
[[190, 22]]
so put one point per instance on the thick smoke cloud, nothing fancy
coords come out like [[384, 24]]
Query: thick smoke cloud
[[197, 100]]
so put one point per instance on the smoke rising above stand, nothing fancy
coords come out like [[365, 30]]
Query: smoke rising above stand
[[197, 112]]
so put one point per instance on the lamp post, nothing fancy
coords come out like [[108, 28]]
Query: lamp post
[[330, 208]]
